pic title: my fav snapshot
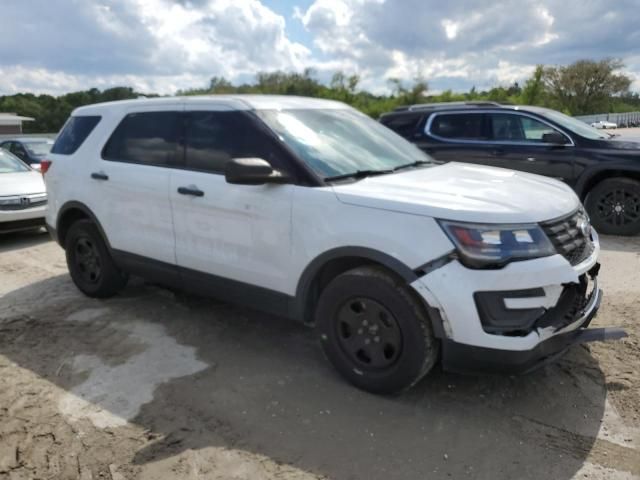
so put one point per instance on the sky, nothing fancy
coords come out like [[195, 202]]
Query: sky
[[161, 46]]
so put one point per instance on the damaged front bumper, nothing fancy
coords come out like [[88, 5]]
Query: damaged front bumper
[[515, 319], [461, 358]]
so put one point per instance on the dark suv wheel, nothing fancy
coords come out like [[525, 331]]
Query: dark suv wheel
[[374, 331], [91, 267], [614, 206]]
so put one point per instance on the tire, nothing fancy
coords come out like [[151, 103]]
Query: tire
[[90, 264], [614, 206], [375, 332]]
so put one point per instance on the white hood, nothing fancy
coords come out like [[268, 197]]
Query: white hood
[[464, 192], [21, 183]]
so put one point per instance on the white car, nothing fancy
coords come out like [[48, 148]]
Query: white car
[[307, 208], [23, 197], [602, 124]]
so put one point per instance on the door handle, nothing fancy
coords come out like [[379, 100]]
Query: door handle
[[100, 176], [496, 152], [191, 190], [531, 159]]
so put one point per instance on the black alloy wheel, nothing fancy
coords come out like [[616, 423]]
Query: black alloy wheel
[[614, 206]]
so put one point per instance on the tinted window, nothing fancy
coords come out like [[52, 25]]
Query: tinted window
[[148, 138], [404, 125], [517, 128], [73, 134], [18, 150], [459, 126], [214, 138]]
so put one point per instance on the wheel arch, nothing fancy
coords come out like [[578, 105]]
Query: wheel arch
[[328, 265], [70, 213], [590, 182]]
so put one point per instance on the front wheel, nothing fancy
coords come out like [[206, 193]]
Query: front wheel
[[90, 264], [614, 206], [375, 332]]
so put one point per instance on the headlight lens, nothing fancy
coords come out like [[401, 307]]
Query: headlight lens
[[493, 246]]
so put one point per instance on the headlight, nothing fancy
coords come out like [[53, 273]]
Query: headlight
[[493, 246]]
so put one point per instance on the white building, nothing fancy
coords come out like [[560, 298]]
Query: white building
[[11, 123]]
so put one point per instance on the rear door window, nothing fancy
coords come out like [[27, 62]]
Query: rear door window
[[146, 138], [459, 126], [74, 133]]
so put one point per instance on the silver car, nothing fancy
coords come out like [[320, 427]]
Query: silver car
[[23, 198]]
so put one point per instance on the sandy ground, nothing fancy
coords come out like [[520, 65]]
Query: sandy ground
[[160, 385]]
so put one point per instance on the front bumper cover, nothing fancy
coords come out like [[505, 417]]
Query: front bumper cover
[[462, 358]]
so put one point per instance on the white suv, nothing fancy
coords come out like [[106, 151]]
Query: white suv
[[308, 208]]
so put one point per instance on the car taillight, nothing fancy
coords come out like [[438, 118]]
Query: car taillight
[[45, 165]]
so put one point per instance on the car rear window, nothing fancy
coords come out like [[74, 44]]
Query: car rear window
[[74, 133]]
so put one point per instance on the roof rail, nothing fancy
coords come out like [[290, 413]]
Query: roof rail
[[426, 106]]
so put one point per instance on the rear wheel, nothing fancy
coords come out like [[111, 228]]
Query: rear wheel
[[374, 331], [614, 206], [91, 267]]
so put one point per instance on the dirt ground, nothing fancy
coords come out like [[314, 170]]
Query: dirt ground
[[160, 385]]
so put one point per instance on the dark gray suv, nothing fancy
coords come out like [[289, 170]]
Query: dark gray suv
[[603, 169]]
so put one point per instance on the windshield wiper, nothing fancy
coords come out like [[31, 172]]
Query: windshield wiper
[[417, 163], [358, 174]]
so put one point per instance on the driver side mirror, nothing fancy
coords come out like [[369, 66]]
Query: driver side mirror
[[252, 171], [554, 138]]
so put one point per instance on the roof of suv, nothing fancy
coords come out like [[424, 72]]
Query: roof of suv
[[235, 102], [464, 106], [460, 106]]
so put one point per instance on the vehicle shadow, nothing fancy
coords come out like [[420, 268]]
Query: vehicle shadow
[[260, 384], [21, 240]]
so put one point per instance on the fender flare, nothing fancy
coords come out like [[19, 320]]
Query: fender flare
[[75, 205], [315, 266], [589, 175]]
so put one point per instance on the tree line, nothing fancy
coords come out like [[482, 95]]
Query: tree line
[[584, 87]]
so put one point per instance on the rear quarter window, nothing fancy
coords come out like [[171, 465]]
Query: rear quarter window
[[74, 133]]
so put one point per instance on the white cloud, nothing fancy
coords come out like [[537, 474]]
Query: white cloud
[[166, 45], [153, 45]]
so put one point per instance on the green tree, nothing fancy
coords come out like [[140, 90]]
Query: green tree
[[534, 89], [586, 86]]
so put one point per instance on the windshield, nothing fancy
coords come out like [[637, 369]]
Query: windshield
[[38, 149], [337, 142], [11, 164], [575, 125]]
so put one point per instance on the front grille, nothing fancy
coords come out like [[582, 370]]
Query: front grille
[[568, 237], [574, 298], [32, 204]]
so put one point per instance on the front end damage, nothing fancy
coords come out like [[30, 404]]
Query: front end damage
[[517, 318]]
